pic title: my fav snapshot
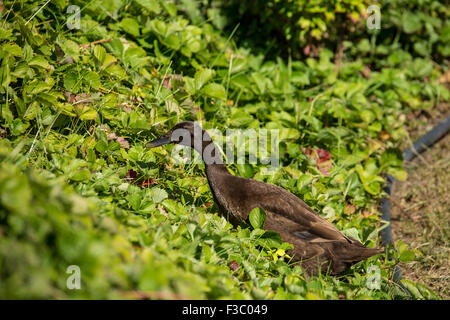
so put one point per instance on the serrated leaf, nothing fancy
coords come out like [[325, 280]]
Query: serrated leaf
[[101, 146], [215, 90], [12, 49], [99, 53], [93, 79], [352, 233], [39, 61], [158, 195], [270, 239], [116, 71], [202, 76], [88, 114], [257, 218], [70, 48], [71, 82]]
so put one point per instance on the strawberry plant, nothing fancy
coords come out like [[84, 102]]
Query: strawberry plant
[[78, 187]]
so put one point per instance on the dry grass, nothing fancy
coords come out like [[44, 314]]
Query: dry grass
[[422, 121], [420, 214]]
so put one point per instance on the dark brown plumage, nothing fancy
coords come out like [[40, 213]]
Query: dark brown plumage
[[318, 245]]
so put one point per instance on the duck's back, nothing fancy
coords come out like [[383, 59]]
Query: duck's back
[[318, 245]]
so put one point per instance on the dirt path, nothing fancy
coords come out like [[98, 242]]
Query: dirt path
[[421, 212]]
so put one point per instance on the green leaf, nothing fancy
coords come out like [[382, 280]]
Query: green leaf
[[34, 87], [202, 76], [71, 82], [70, 48], [169, 7], [172, 41], [99, 53], [135, 57], [407, 256], [270, 239], [398, 173], [422, 67], [5, 34], [370, 180], [39, 61], [115, 46], [151, 5], [194, 45], [313, 121], [303, 181], [240, 118], [12, 49], [134, 200], [249, 269], [88, 114], [245, 170], [412, 289], [328, 212], [288, 134], [18, 127], [391, 158], [215, 90], [130, 26], [260, 81], [411, 22], [158, 195], [5, 74], [101, 146], [81, 175], [426, 292], [257, 218], [93, 79], [189, 85], [421, 48], [116, 71], [352, 233]]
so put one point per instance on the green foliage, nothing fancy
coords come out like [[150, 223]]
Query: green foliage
[[78, 106], [298, 28], [424, 25], [289, 24]]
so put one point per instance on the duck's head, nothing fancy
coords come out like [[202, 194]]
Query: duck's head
[[186, 133]]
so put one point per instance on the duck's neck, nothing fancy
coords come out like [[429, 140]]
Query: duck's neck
[[211, 156], [218, 178], [215, 169], [213, 160]]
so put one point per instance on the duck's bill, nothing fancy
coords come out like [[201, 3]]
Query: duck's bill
[[158, 142]]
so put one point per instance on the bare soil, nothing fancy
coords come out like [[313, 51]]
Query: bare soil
[[421, 208]]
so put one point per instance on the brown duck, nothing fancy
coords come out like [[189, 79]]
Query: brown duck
[[318, 245]]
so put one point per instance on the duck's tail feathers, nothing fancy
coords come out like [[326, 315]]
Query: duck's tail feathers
[[347, 254]]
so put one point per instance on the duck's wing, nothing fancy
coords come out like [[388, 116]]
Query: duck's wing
[[318, 245], [295, 216]]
